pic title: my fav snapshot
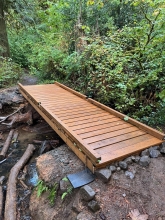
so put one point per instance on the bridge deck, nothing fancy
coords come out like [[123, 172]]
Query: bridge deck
[[96, 133]]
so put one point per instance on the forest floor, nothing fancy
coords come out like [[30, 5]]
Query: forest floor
[[145, 192]]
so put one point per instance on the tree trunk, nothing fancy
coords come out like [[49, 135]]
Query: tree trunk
[[4, 45], [11, 196]]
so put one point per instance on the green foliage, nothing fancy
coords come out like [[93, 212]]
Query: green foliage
[[52, 194], [69, 191], [10, 72], [41, 188], [52, 191]]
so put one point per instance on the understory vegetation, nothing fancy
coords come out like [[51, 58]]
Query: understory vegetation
[[112, 51]]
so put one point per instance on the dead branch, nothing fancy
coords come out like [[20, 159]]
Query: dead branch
[[10, 205], [5, 118], [1, 202], [6, 145], [19, 117]]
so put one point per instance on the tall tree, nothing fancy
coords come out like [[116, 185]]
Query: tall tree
[[4, 46]]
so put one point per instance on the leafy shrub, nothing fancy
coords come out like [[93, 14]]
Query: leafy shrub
[[10, 72]]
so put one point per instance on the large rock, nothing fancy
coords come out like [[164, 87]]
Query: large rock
[[103, 174], [144, 161], [51, 167], [87, 193]]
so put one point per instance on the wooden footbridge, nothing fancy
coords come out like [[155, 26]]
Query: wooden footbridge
[[97, 134]]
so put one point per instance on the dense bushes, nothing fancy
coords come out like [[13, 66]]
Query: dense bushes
[[113, 51]]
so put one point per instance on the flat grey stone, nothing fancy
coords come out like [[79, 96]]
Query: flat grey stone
[[129, 174], [104, 174], [137, 159], [123, 165], [145, 152], [87, 193], [154, 153], [128, 160], [144, 161], [112, 168], [93, 206]]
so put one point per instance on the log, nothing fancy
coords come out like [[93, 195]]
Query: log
[[11, 196], [1, 202], [6, 145]]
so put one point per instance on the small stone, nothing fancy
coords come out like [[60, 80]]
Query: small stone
[[64, 185], [162, 148], [118, 169], [145, 153], [123, 165], [124, 195], [104, 174], [144, 161], [128, 160], [2, 178], [129, 174], [84, 216], [160, 218], [76, 204], [93, 206], [137, 159], [154, 153], [155, 148], [116, 164], [112, 168], [87, 193]]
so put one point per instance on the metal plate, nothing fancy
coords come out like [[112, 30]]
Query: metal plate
[[81, 178]]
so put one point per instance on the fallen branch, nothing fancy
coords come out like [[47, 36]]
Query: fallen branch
[[10, 205], [6, 145], [5, 118], [19, 117], [1, 202]]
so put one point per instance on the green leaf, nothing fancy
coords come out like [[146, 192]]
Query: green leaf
[[126, 118]]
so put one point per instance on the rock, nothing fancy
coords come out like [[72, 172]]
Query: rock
[[162, 148], [84, 216], [123, 165], [2, 178], [76, 204], [144, 161], [135, 159], [93, 206], [112, 168], [129, 174], [64, 185], [145, 152], [118, 169], [87, 193], [103, 174], [128, 160], [154, 153], [155, 148]]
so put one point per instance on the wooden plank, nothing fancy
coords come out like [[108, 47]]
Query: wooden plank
[[105, 121], [99, 127], [89, 120], [82, 118], [138, 124], [101, 137], [119, 145], [118, 139], [76, 109], [71, 90], [104, 130], [77, 115], [119, 154]]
